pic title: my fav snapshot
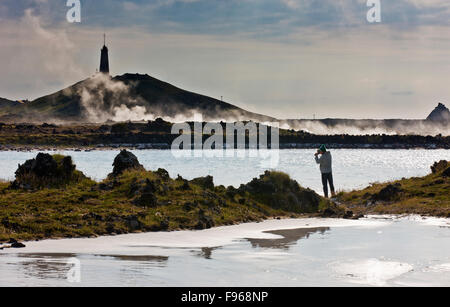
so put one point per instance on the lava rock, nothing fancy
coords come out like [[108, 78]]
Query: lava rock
[[389, 193], [205, 182], [132, 222], [17, 245], [204, 221], [163, 174], [439, 166], [125, 160]]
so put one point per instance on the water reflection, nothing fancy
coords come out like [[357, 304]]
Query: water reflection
[[138, 258], [45, 266], [290, 237], [206, 252]]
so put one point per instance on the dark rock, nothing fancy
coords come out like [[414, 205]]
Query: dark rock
[[163, 174], [446, 173], [147, 197], [439, 166], [389, 193], [125, 160], [185, 186], [105, 186], [231, 192], [164, 225], [43, 166], [12, 241], [205, 182], [44, 170], [132, 222], [18, 245], [188, 206], [328, 212], [348, 214], [279, 191], [357, 217], [204, 221]]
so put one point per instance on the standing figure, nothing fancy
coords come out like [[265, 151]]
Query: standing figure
[[323, 157]]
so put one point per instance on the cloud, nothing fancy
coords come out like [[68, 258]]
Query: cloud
[[33, 56]]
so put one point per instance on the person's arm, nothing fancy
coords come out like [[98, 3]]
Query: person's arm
[[318, 160]]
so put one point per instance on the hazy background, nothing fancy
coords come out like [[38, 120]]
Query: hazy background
[[285, 58]]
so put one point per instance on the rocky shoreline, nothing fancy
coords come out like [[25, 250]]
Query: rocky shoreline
[[426, 196], [157, 135], [51, 199], [165, 146]]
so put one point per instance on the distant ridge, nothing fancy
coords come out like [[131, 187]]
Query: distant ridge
[[440, 114], [8, 103]]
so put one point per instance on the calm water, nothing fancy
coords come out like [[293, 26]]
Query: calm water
[[309, 252], [352, 168]]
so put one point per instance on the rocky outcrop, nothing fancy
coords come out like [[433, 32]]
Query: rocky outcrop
[[439, 166], [446, 173], [279, 191], [205, 182], [389, 193], [125, 160], [46, 171], [440, 114]]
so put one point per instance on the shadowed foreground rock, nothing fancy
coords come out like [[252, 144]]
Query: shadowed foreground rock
[[279, 191], [439, 166], [46, 171], [389, 193], [125, 160]]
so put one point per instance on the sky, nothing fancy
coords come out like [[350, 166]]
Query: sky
[[284, 58]]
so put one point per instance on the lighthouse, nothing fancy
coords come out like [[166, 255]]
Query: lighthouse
[[104, 60]]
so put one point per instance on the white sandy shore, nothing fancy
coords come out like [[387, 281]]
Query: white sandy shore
[[140, 243], [220, 236]]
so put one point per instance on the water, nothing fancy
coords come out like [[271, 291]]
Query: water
[[304, 252], [353, 168]]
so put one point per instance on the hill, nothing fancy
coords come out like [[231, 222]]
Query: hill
[[128, 97], [440, 114]]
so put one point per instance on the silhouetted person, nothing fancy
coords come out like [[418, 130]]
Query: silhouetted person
[[326, 169]]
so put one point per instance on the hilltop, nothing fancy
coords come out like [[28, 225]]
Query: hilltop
[[440, 114]]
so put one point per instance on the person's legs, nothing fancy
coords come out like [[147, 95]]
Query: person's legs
[[325, 184], [330, 180]]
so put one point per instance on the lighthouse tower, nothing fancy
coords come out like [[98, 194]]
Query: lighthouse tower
[[104, 60]]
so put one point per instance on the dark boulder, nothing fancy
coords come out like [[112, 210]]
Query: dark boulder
[[133, 222], [17, 245], [46, 170], [163, 174], [279, 191], [439, 166], [204, 221], [147, 196], [446, 173], [205, 182], [389, 193], [125, 160]]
